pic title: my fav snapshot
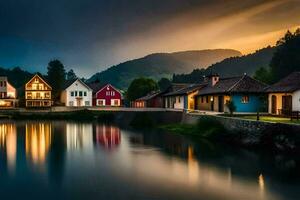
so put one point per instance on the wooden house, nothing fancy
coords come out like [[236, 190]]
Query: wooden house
[[8, 94], [38, 92], [76, 93], [152, 100], [106, 95]]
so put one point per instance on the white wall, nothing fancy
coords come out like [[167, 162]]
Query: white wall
[[77, 86], [179, 103], [296, 101]]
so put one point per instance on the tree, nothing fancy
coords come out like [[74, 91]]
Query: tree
[[71, 75], [56, 77], [140, 87], [286, 58], [164, 84], [231, 107], [263, 75]]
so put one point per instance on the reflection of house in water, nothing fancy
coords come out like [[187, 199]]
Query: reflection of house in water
[[79, 136], [38, 140], [107, 136], [8, 143]]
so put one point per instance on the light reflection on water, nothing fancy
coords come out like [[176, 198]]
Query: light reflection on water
[[88, 160]]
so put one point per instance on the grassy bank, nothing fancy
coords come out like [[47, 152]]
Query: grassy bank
[[208, 128]]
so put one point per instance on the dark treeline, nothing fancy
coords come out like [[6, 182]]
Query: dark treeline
[[234, 66], [268, 65]]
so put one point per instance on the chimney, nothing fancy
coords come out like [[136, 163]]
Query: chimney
[[213, 79]]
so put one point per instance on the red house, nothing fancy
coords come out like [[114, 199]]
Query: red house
[[105, 95]]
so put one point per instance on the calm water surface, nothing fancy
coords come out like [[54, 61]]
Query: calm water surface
[[71, 160]]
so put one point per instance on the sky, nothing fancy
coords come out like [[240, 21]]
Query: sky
[[92, 35]]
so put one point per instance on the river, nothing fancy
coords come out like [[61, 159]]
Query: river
[[76, 160]]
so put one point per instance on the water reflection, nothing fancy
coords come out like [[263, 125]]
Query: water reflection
[[8, 143], [108, 136], [79, 136], [37, 141], [145, 165]]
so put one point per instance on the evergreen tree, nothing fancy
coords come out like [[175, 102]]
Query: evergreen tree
[[71, 75], [263, 75], [286, 59], [164, 84], [56, 77]]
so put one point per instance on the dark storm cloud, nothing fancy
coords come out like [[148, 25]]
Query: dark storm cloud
[[90, 35]]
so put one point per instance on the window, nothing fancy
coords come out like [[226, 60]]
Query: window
[[112, 93], [202, 99], [4, 83], [87, 103], [101, 102], [245, 99], [75, 93], [80, 93], [72, 94], [206, 100], [107, 93], [71, 103], [116, 102], [1, 83], [84, 93]]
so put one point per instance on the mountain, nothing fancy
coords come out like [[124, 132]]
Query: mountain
[[234, 66], [161, 65]]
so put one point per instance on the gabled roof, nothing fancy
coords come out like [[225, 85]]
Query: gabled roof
[[241, 84], [96, 86], [291, 83], [186, 90], [41, 78], [68, 83], [149, 96]]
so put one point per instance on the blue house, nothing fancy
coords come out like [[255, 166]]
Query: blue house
[[246, 93]]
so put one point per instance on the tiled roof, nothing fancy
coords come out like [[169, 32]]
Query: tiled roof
[[96, 86], [149, 96], [234, 84], [186, 90], [290, 83]]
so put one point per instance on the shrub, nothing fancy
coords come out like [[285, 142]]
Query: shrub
[[231, 106], [210, 128]]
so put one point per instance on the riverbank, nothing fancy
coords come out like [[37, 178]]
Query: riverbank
[[232, 130], [241, 132]]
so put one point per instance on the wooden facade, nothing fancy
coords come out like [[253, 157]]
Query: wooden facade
[[38, 93], [8, 94]]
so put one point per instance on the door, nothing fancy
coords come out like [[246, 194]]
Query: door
[[287, 104], [212, 103], [274, 104], [221, 103], [78, 101]]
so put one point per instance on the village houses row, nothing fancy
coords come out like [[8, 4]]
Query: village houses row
[[213, 94], [38, 93]]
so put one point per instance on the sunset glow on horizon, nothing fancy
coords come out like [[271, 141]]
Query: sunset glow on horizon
[[91, 36]]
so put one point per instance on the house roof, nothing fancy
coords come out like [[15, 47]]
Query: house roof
[[68, 83], [290, 83], [149, 96], [235, 85], [41, 78], [96, 86], [186, 90]]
